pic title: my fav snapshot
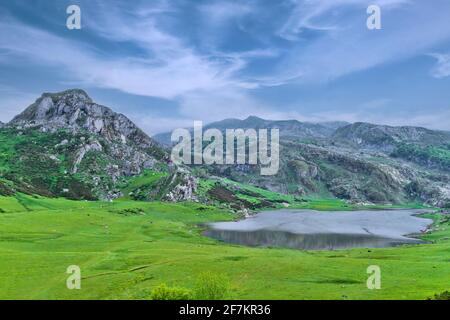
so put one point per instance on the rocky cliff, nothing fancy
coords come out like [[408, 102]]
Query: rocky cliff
[[65, 144], [361, 162]]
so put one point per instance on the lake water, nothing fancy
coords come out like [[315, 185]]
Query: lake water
[[319, 230]]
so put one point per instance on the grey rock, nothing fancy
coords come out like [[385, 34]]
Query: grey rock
[[182, 186], [125, 149], [74, 110], [95, 146], [384, 138]]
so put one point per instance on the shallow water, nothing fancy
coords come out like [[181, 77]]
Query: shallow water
[[318, 230]]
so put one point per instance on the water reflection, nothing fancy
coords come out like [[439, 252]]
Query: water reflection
[[330, 241], [324, 230]]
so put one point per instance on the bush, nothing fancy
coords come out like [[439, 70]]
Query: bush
[[442, 296], [211, 286], [163, 292]]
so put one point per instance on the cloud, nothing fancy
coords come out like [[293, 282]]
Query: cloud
[[344, 45], [442, 67], [163, 65], [150, 49], [221, 12], [168, 69], [419, 119], [323, 15], [156, 124]]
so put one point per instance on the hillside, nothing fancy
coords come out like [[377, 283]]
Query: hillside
[[360, 162], [66, 145], [386, 138]]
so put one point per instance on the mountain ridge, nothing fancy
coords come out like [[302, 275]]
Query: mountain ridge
[[361, 162], [64, 144], [367, 135], [292, 128]]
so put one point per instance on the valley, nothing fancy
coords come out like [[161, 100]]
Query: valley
[[82, 185], [127, 248]]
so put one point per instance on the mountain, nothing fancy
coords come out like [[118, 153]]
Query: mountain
[[386, 138], [1, 124], [64, 144], [361, 162], [74, 110], [288, 128]]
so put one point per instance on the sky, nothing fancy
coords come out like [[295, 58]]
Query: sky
[[166, 63]]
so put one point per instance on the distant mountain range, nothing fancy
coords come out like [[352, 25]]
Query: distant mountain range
[[359, 134], [288, 128], [66, 145], [361, 162]]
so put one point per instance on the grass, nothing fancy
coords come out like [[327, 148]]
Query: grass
[[425, 155], [254, 194], [126, 249], [147, 179]]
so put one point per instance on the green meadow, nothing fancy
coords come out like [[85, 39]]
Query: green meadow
[[126, 248]]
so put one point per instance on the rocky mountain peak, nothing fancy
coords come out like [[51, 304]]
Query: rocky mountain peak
[[94, 146], [75, 94], [74, 110]]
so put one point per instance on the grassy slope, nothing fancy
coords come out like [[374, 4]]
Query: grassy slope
[[278, 200], [135, 187], [124, 253]]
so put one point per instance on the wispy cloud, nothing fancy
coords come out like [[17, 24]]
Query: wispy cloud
[[168, 69], [348, 46], [323, 15], [212, 65], [442, 67]]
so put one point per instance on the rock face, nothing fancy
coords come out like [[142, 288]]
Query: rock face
[[97, 145], [182, 186], [360, 162], [74, 111], [385, 138], [327, 171]]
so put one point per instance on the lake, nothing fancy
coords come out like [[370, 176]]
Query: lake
[[323, 230]]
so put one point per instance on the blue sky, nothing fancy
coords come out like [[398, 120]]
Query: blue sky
[[165, 64]]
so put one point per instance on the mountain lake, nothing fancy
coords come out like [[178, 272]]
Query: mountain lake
[[323, 230]]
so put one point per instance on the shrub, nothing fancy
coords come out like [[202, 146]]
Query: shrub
[[211, 286], [441, 296], [163, 292]]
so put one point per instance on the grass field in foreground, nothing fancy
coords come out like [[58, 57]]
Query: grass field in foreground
[[126, 248]]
